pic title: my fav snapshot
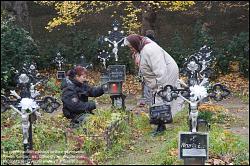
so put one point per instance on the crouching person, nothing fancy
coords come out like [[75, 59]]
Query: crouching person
[[75, 93]]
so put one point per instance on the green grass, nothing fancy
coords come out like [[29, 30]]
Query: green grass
[[158, 147], [243, 98], [167, 153], [164, 148], [104, 99], [224, 143], [133, 142], [221, 143]]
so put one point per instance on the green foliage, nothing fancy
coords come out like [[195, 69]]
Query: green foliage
[[11, 137], [222, 60], [94, 133], [125, 58], [17, 46], [75, 43], [141, 122], [71, 45], [243, 97], [224, 49], [238, 50], [49, 134], [104, 99], [201, 36], [223, 142], [178, 50], [242, 158], [206, 115], [52, 86]]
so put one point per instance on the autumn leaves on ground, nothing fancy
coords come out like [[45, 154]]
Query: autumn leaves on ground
[[131, 142], [147, 150]]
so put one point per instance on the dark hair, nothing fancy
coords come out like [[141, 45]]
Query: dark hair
[[150, 34], [78, 70]]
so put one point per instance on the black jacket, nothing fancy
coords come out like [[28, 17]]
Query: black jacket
[[75, 97], [151, 37]]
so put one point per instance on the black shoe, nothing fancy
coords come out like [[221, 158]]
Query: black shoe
[[161, 128], [80, 118], [157, 133], [74, 125], [154, 133]]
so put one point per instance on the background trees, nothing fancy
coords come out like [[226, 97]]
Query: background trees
[[73, 28]]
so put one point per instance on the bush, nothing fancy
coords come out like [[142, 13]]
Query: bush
[[206, 115], [72, 45], [53, 87], [201, 37], [75, 43], [238, 50], [17, 46], [224, 49], [178, 50]]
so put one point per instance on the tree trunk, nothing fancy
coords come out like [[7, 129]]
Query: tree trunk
[[20, 10], [148, 19]]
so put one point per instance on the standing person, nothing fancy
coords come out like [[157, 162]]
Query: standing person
[[157, 67], [146, 92], [75, 95], [151, 35]]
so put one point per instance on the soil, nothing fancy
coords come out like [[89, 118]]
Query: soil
[[240, 110]]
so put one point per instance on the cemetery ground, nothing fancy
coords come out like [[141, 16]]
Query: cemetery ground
[[131, 141], [163, 149]]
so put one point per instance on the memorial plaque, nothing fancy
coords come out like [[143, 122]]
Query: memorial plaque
[[60, 75], [117, 72], [104, 79], [193, 145]]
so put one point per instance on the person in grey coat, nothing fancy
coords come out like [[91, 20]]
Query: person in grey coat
[[146, 96], [157, 67]]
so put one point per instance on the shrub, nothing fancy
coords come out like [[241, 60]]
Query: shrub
[[238, 50], [17, 46]]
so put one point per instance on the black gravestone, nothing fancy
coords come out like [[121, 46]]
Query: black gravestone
[[117, 72], [60, 75], [193, 145]]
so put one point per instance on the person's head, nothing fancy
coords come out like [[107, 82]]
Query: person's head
[[150, 34], [78, 73], [135, 43]]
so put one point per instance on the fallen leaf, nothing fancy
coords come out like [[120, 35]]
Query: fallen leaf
[[174, 152], [131, 147], [216, 161]]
